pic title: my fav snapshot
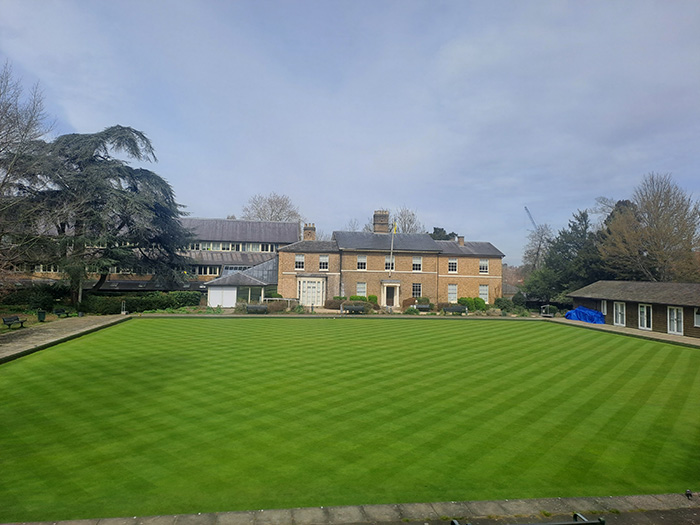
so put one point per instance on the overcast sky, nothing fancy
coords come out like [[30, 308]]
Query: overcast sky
[[463, 111]]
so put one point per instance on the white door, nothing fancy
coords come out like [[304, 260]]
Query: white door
[[311, 292], [675, 320]]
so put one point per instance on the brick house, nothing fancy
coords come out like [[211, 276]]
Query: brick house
[[672, 308], [393, 267]]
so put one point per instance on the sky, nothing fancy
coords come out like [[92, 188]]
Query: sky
[[464, 111]]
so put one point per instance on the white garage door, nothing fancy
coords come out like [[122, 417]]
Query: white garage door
[[224, 296]]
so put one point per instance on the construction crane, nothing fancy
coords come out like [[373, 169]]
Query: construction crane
[[534, 224]]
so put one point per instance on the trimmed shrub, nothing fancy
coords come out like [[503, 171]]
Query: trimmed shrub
[[468, 302], [504, 304], [358, 298], [422, 300], [519, 299], [340, 298], [275, 307], [333, 304], [411, 311], [480, 304], [373, 299], [112, 304]]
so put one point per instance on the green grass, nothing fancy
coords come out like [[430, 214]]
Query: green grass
[[186, 415]]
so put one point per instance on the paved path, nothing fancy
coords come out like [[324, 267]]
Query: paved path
[[671, 509], [17, 342]]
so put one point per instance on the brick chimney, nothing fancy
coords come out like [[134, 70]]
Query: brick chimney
[[381, 221], [309, 232], [460, 240]]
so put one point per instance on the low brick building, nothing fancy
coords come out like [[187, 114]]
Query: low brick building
[[391, 266], [672, 308]]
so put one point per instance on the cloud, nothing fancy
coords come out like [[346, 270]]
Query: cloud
[[464, 111]]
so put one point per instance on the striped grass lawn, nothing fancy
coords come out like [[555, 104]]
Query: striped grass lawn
[[171, 415]]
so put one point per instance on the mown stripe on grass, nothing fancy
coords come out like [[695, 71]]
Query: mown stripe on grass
[[183, 415]]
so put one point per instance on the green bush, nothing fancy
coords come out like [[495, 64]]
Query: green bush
[[480, 304], [411, 311], [112, 304], [468, 302], [358, 298], [519, 299], [340, 298], [422, 300], [372, 299], [504, 304], [40, 296]]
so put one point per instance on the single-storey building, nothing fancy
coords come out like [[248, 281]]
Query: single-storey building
[[672, 308]]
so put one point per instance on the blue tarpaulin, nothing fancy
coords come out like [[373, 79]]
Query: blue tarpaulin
[[586, 315]]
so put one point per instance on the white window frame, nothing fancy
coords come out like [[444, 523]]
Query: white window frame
[[323, 263], [361, 289], [483, 266], [678, 320], [604, 307], [417, 265], [452, 265], [390, 263], [452, 292], [362, 262], [696, 317], [484, 292], [417, 288], [299, 261], [645, 314], [619, 313]]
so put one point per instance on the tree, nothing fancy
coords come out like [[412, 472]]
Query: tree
[[406, 221], [541, 285], [103, 212], [272, 207], [656, 236], [536, 248], [439, 234], [353, 225], [571, 261], [22, 122]]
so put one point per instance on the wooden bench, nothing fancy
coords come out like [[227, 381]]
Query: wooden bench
[[256, 308], [60, 312], [456, 309], [422, 307], [13, 319], [352, 309]]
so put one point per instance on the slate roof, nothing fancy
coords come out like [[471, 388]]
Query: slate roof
[[311, 247], [236, 279], [485, 249], [381, 242], [240, 258], [675, 294], [242, 231]]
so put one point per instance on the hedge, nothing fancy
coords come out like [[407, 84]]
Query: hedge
[[102, 304]]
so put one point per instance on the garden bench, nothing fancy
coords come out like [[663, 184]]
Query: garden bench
[[456, 309], [13, 319], [60, 312], [352, 309], [256, 308], [422, 307]]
